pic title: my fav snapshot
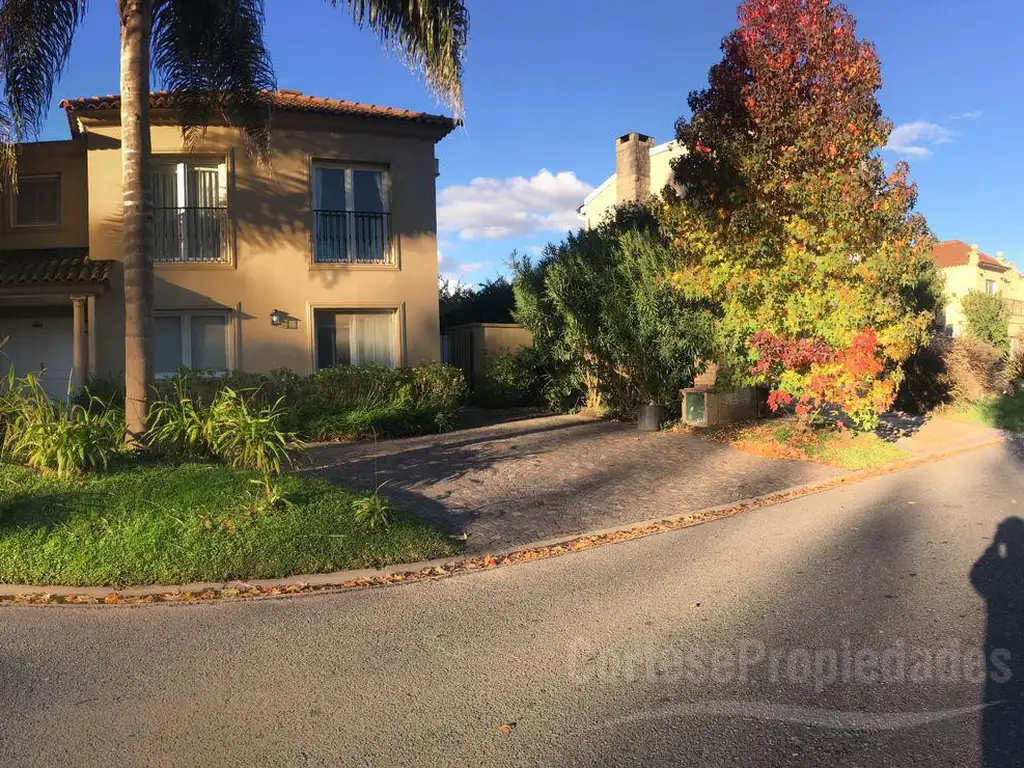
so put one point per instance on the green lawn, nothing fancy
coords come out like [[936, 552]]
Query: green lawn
[[783, 439], [194, 522], [1002, 411]]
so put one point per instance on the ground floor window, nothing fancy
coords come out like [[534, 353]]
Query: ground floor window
[[345, 337], [196, 340]]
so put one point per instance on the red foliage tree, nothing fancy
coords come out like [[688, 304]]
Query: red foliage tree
[[789, 215]]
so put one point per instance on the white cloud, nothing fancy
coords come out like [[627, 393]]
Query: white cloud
[[490, 208], [472, 266], [916, 139], [972, 115]]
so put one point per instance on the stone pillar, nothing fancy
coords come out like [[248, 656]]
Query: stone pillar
[[80, 364], [632, 167], [90, 316]]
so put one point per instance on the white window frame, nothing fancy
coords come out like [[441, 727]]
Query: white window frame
[[60, 202], [994, 285], [180, 166], [350, 199], [186, 338]]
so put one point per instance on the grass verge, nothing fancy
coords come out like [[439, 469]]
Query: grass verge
[[168, 524], [783, 439], [999, 411]]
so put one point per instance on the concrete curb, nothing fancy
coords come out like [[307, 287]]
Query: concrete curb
[[446, 567]]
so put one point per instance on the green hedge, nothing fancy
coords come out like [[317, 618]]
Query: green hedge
[[347, 402]]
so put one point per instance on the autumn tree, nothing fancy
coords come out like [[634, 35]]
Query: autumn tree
[[790, 217]]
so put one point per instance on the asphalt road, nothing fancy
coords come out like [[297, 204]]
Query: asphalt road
[[846, 628]]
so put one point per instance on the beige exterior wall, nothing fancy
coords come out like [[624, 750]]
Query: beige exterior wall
[[962, 279], [67, 160], [270, 214], [602, 200], [471, 344]]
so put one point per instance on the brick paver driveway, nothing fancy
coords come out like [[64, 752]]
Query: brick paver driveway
[[524, 481]]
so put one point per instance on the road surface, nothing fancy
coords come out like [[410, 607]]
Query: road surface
[[863, 626]]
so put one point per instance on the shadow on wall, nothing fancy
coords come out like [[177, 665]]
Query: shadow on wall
[[273, 207]]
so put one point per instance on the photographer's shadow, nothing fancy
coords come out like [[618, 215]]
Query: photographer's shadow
[[998, 576]]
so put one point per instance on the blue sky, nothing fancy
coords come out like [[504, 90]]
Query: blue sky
[[549, 85]]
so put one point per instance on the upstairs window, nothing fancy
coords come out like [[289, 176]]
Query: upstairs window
[[37, 202], [350, 215], [190, 214], [990, 287]]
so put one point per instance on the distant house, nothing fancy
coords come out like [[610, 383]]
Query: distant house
[[968, 269], [642, 170], [326, 257]]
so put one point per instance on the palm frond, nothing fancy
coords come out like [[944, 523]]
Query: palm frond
[[35, 42], [213, 55], [8, 174], [430, 35]]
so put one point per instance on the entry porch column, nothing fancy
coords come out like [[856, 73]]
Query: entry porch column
[[80, 358]]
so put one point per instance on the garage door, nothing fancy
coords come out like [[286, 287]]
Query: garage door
[[34, 345]]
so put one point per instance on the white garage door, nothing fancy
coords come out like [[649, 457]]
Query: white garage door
[[44, 344]]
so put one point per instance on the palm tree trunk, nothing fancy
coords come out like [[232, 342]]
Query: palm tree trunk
[[136, 28]]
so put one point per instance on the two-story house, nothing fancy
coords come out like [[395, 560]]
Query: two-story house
[[325, 256], [968, 269]]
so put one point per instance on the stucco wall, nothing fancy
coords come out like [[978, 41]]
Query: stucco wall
[[66, 158], [270, 210]]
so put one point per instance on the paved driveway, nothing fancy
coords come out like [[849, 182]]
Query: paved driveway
[[691, 648], [518, 482]]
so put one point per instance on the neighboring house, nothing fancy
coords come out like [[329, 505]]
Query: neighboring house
[[967, 269], [327, 256], [642, 170]]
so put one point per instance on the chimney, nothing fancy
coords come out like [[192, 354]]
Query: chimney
[[972, 257], [632, 167]]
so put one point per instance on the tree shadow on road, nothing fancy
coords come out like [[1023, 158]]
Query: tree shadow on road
[[998, 576]]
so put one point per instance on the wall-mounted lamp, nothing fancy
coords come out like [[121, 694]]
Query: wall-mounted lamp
[[277, 317]]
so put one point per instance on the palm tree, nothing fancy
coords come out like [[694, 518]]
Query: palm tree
[[211, 52]]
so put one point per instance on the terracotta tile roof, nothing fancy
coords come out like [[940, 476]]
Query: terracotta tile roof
[[51, 265], [285, 101], [956, 253]]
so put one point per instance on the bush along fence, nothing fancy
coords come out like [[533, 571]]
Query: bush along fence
[[249, 421]]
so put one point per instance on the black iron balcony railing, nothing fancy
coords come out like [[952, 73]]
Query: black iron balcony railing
[[355, 237], [190, 235]]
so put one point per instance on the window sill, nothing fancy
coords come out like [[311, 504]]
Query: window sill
[[194, 264], [51, 226], [356, 267]]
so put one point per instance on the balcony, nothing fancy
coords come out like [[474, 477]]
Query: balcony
[[351, 237], [190, 235]]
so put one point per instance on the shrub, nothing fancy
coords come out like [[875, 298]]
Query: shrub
[[179, 425], [511, 378], [925, 383], [1013, 372], [249, 437], [47, 434], [372, 511], [813, 376], [985, 314], [974, 369], [346, 402]]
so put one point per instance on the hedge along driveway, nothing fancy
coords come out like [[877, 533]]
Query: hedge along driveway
[[525, 481]]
